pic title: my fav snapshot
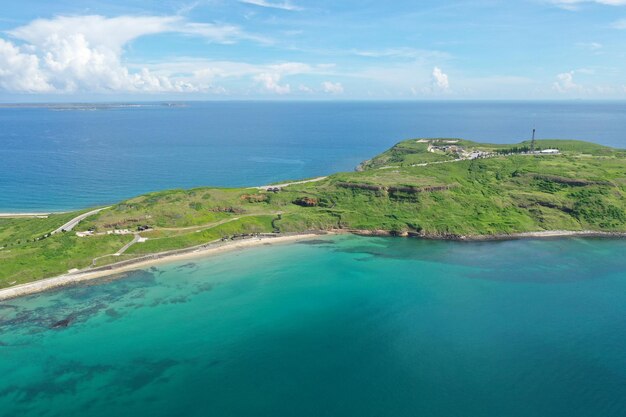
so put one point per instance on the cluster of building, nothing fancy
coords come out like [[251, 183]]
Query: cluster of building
[[548, 151], [448, 147], [108, 232], [112, 232]]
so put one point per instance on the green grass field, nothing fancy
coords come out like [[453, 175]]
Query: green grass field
[[582, 188]]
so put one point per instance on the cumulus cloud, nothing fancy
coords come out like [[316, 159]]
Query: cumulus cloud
[[271, 75], [332, 88], [565, 83], [83, 53], [439, 80], [271, 82], [20, 71]]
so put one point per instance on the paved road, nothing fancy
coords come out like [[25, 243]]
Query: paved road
[[72, 223], [266, 187]]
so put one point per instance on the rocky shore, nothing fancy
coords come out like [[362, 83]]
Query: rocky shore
[[480, 238]]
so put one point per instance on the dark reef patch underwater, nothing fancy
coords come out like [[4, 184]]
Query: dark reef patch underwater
[[422, 328]]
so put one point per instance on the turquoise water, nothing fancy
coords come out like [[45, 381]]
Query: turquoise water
[[93, 155], [341, 326]]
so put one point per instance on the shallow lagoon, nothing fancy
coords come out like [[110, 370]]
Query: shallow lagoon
[[344, 325]]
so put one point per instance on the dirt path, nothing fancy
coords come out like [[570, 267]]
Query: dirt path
[[203, 226], [214, 224], [128, 245], [266, 187]]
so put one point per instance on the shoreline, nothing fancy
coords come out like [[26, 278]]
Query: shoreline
[[492, 238], [219, 247], [208, 249], [545, 234], [16, 215]]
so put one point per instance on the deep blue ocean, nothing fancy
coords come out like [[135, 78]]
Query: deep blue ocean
[[67, 158]]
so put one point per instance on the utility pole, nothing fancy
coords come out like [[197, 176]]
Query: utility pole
[[532, 143]]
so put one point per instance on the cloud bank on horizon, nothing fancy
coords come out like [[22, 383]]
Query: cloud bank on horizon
[[297, 49]]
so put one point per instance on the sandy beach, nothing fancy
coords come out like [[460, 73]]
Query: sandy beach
[[13, 215], [209, 249], [218, 247]]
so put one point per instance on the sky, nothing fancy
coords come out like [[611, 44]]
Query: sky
[[69, 50]]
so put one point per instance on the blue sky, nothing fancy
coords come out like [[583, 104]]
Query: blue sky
[[297, 49]]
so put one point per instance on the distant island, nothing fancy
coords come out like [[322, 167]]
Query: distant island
[[442, 188]]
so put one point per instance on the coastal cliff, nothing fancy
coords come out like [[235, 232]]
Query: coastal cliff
[[427, 188]]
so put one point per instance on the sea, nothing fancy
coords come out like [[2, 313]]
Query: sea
[[336, 326], [65, 157], [332, 326]]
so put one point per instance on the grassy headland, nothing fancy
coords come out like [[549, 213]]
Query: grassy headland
[[441, 188]]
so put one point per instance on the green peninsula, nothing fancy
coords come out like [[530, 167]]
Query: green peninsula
[[433, 188]]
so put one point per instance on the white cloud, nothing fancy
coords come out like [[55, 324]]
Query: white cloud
[[587, 71], [84, 53], [291, 68], [332, 88], [224, 34], [403, 52], [565, 83], [20, 71], [592, 46], [271, 75], [439, 80], [620, 24], [271, 82], [286, 5], [574, 4], [111, 33], [187, 8], [496, 86], [115, 32]]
